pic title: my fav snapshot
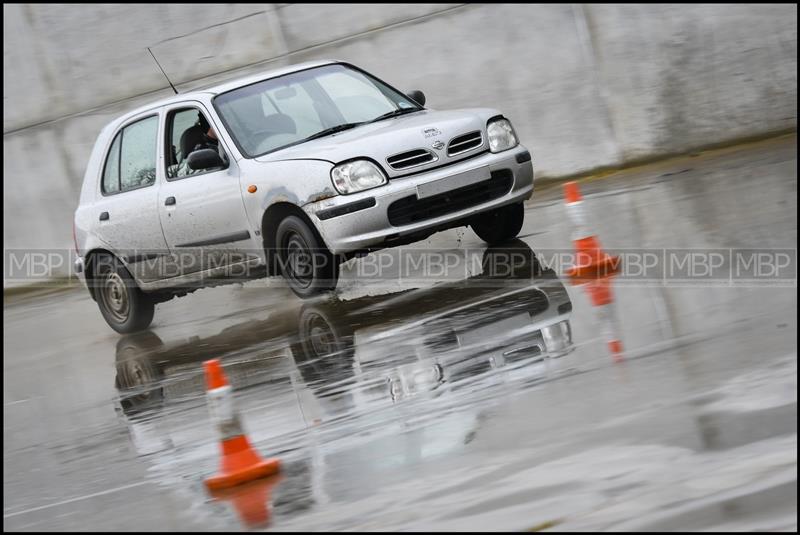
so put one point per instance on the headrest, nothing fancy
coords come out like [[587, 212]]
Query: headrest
[[190, 138], [280, 123]]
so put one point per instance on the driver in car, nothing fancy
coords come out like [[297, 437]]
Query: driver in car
[[203, 136]]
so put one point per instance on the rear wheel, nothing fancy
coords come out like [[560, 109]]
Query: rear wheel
[[305, 263], [499, 225], [124, 306]]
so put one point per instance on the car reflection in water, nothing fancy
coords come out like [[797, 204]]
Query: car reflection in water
[[353, 368], [358, 353], [419, 339]]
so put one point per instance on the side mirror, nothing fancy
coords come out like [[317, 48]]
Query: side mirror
[[417, 96], [204, 159]]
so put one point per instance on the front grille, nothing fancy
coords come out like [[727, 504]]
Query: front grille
[[412, 158], [411, 209], [464, 143]]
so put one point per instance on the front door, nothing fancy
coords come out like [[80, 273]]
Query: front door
[[202, 211]]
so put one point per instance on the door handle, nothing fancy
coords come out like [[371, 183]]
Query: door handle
[[104, 216], [170, 201]]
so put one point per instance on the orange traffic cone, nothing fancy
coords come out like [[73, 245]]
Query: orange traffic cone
[[240, 462], [591, 261], [593, 269]]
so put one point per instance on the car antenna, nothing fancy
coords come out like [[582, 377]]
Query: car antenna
[[162, 70]]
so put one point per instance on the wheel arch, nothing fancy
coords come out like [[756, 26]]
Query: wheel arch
[[270, 220], [91, 257]]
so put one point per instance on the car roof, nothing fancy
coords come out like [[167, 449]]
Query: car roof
[[247, 80], [224, 86]]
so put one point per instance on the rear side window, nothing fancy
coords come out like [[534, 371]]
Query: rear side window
[[131, 161]]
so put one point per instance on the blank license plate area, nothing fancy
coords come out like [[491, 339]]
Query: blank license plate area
[[453, 182]]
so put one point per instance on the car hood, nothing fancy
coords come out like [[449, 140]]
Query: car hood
[[377, 141]]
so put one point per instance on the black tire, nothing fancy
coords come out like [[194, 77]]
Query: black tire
[[123, 305], [305, 263], [499, 225]]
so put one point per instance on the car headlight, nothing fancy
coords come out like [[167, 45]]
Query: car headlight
[[357, 175], [501, 135]]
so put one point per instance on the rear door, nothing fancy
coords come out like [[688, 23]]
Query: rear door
[[127, 206], [202, 211]]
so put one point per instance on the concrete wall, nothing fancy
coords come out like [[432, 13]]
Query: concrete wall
[[585, 85]]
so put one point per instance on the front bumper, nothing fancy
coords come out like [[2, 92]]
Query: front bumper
[[368, 225]]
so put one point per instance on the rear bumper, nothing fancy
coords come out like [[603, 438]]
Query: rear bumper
[[354, 222]]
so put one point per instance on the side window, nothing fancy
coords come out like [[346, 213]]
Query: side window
[[188, 130], [137, 159], [111, 170], [131, 161]]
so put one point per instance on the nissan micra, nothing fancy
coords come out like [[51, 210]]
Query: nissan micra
[[290, 173]]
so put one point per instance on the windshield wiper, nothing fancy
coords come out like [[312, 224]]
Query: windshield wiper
[[332, 130], [394, 113]]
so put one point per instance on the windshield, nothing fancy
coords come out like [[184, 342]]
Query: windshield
[[287, 110]]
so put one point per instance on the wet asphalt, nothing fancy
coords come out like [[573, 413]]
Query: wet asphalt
[[464, 398]]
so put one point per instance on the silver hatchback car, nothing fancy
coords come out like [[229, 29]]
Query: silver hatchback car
[[290, 172]]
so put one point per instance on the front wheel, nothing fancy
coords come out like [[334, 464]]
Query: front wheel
[[124, 306], [305, 263], [138, 374], [499, 225]]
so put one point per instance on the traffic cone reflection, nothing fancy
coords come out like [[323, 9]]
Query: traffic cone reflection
[[594, 269], [601, 296], [251, 500], [240, 462]]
